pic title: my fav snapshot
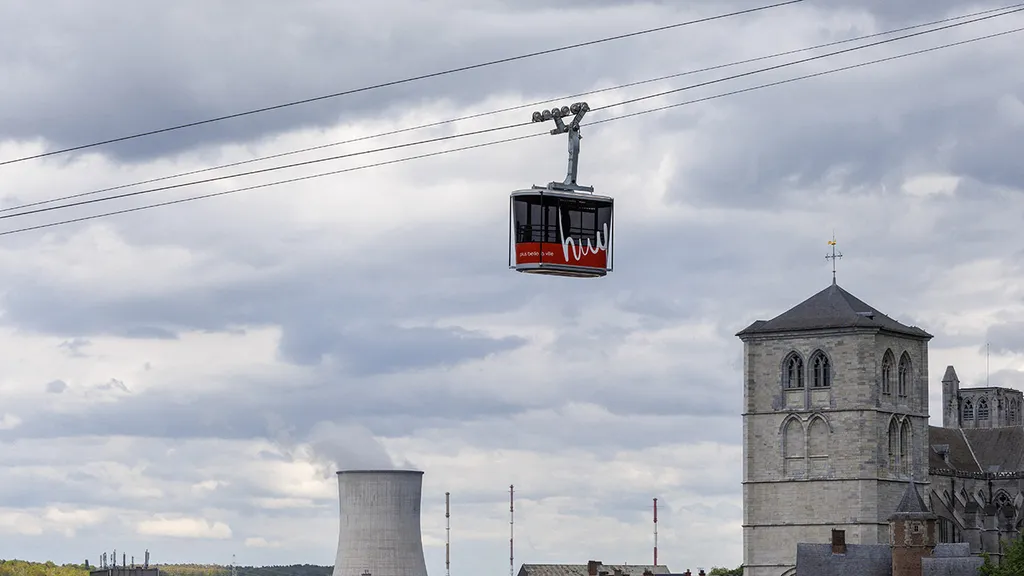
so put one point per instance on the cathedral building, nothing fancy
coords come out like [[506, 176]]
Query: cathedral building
[[836, 430]]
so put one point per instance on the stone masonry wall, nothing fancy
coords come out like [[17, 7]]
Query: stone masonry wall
[[786, 502]]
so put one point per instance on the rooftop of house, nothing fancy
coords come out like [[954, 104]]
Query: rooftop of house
[[585, 569], [876, 560]]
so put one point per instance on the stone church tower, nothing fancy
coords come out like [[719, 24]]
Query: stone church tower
[[835, 426]]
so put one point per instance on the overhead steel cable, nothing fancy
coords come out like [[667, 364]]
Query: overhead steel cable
[[264, 170], [495, 129], [492, 143], [268, 184], [807, 76], [808, 59], [404, 81], [506, 109]]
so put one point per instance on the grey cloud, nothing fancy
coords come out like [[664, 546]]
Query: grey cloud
[[25, 493], [113, 384], [841, 136], [56, 386], [284, 295], [387, 409], [390, 410], [397, 408], [947, 340], [904, 11], [165, 81], [74, 346], [984, 153], [117, 92], [1005, 378], [86, 480], [375, 350], [685, 396], [555, 428], [147, 333], [655, 307], [1006, 338], [880, 8]]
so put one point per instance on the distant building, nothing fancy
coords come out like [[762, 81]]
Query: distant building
[[592, 568], [125, 571], [913, 549], [596, 568], [108, 566], [836, 431]]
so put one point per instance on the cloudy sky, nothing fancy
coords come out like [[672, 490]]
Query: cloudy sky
[[186, 379]]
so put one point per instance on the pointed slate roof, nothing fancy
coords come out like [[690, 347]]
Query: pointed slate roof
[[833, 307], [912, 505], [950, 375]]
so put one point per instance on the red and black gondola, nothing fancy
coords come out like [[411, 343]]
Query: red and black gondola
[[562, 233]]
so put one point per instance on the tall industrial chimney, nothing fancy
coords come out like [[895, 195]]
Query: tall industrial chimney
[[380, 523]]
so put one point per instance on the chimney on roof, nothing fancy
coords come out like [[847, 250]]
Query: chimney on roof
[[838, 541], [592, 567]]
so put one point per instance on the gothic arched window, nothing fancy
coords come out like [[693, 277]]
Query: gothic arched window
[[817, 446], [887, 368], [793, 447], [903, 377], [983, 412], [968, 410], [894, 439], [793, 371], [821, 370], [906, 439]]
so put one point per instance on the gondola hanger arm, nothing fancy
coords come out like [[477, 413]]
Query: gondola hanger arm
[[577, 110]]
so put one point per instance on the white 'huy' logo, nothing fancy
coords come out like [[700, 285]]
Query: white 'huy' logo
[[583, 250]]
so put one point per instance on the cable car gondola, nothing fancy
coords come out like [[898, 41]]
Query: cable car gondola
[[562, 229], [562, 233]]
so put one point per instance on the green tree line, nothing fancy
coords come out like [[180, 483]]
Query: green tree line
[[23, 568]]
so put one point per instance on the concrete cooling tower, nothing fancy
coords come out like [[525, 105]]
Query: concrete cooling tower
[[380, 523]]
